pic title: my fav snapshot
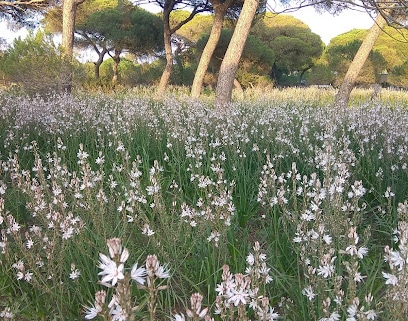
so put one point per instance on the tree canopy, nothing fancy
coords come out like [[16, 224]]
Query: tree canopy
[[52, 20], [23, 12], [295, 46], [389, 55], [124, 27], [133, 28], [391, 43], [193, 31], [257, 58], [279, 45]]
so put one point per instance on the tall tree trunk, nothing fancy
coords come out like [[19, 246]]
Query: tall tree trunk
[[98, 63], [97, 67], [302, 73], [165, 78], [116, 61], [168, 31], [220, 9], [231, 59], [101, 53], [68, 27], [343, 95]]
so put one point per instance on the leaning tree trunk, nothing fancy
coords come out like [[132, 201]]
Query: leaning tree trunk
[[343, 95], [116, 61], [98, 63], [220, 9], [168, 31], [231, 59], [302, 73], [68, 27], [165, 78]]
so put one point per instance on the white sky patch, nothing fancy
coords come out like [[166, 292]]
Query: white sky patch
[[10, 35], [328, 26]]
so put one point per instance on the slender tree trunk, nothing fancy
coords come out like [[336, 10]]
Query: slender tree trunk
[[116, 61], [97, 66], [302, 73], [220, 9], [101, 53], [98, 63], [168, 6], [229, 65], [343, 95], [165, 78], [68, 27]]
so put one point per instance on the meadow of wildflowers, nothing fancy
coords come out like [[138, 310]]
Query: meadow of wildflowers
[[125, 207]]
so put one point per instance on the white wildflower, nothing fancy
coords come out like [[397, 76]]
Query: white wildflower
[[396, 260], [138, 274], [308, 292], [92, 312], [390, 278], [327, 239], [326, 270], [371, 315], [250, 259], [179, 317], [111, 272]]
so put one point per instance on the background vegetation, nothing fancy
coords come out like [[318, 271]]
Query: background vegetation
[[281, 50]]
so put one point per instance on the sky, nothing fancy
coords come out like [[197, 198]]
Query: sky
[[325, 25], [328, 26], [8, 34]]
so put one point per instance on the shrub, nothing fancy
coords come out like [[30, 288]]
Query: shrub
[[36, 65]]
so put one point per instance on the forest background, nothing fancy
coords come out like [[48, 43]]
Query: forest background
[[125, 43]]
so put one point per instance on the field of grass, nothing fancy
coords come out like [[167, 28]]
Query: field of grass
[[125, 207]]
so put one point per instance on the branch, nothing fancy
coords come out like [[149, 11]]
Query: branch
[[338, 4], [22, 4], [204, 7]]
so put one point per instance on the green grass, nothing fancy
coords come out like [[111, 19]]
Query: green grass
[[163, 157]]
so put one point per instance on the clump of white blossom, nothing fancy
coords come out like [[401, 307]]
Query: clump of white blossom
[[396, 257], [323, 215], [114, 275], [239, 292], [216, 208], [77, 187]]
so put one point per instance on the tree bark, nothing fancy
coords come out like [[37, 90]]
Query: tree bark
[[302, 73], [165, 78], [116, 61], [220, 9], [68, 27], [168, 31], [98, 63], [229, 65], [343, 94]]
